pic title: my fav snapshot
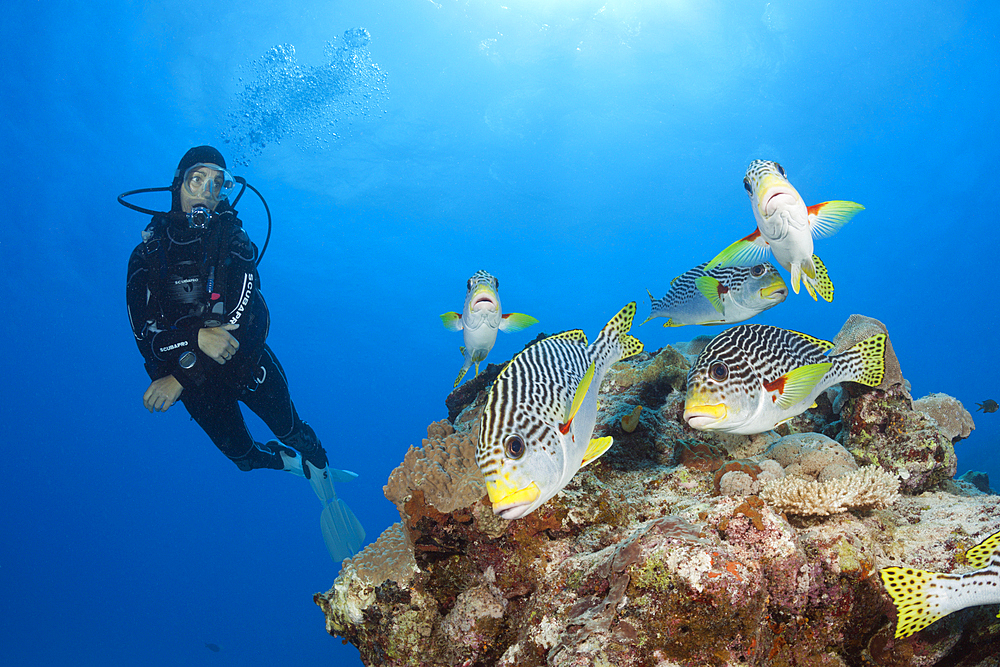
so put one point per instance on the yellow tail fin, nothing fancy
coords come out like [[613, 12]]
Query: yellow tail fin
[[908, 588]]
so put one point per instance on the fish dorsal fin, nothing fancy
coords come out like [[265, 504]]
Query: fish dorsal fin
[[980, 555], [514, 322], [827, 218], [581, 393], [575, 335], [713, 290], [675, 279], [796, 384], [824, 345], [749, 250], [595, 448], [451, 321]]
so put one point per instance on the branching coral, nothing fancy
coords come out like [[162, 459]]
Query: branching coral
[[868, 488]]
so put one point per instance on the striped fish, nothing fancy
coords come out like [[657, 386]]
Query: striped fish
[[923, 597], [541, 411], [787, 227], [724, 295], [752, 377]]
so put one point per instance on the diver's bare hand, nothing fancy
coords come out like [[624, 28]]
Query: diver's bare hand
[[162, 394], [218, 343]]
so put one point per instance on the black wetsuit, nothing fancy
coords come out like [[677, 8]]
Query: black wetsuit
[[182, 279]]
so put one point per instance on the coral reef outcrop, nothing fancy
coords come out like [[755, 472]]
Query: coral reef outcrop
[[678, 548]]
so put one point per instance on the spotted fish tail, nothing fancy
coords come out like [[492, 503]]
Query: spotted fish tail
[[614, 342], [865, 361]]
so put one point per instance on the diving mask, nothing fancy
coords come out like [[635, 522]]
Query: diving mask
[[208, 182]]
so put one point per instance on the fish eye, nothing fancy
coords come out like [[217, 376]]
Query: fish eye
[[781, 170], [468, 285], [496, 284], [746, 184], [514, 447], [757, 271], [718, 371]]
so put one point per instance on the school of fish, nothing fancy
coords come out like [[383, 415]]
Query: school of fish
[[537, 425]]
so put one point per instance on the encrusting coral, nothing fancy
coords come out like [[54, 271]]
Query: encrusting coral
[[443, 468], [667, 552]]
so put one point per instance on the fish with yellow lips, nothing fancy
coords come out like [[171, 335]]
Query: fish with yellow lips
[[753, 377], [536, 427], [786, 227], [480, 320]]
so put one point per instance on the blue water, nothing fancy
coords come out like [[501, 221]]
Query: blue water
[[582, 151]]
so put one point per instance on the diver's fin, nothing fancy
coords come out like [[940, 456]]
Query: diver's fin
[[322, 480], [292, 460], [796, 384], [452, 321], [342, 532], [514, 322], [596, 447]]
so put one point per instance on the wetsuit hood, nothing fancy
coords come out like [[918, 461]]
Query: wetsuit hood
[[198, 154]]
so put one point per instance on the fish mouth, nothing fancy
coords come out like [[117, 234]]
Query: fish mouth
[[778, 197], [483, 298], [775, 292], [515, 503], [702, 417]]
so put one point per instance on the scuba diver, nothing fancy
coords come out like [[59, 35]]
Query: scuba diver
[[200, 321]]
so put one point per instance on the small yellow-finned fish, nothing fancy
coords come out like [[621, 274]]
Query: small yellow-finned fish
[[536, 427], [786, 227], [923, 597], [480, 320]]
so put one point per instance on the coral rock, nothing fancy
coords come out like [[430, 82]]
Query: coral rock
[[444, 469], [951, 416], [638, 562], [881, 429]]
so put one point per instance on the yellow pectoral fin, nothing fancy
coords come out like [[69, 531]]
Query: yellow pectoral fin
[[709, 287], [796, 384], [514, 322], [581, 393], [596, 447], [827, 218], [451, 321]]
